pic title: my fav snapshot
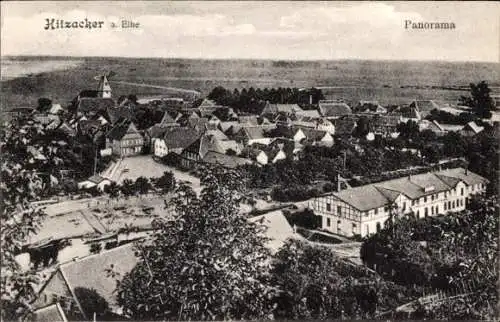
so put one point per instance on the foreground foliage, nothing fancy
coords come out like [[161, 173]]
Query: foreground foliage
[[457, 254], [208, 263]]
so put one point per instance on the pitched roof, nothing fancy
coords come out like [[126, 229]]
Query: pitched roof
[[87, 104], [424, 106], [114, 114], [119, 131], [473, 126], [383, 193], [254, 132], [248, 119], [96, 179], [333, 108], [278, 229], [167, 120], [224, 126], [344, 125], [467, 176], [281, 108], [363, 198], [179, 137], [230, 145], [90, 272], [218, 134], [313, 134], [225, 160], [308, 113], [52, 313]]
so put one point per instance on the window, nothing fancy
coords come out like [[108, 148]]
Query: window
[[449, 204], [418, 213], [353, 227], [426, 212], [404, 206], [378, 227], [328, 222], [437, 210], [462, 191], [328, 207], [339, 210], [432, 198], [445, 206], [432, 210], [453, 204], [425, 199], [376, 211]]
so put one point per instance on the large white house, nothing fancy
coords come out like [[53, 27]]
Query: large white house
[[364, 210]]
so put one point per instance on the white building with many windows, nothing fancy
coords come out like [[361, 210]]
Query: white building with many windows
[[364, 210]]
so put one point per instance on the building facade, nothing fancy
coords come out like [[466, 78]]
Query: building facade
[[364, 210]]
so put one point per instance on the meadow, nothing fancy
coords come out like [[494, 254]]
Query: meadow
[[390, 82]]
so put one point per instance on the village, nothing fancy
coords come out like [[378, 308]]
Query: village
[[134, 151]]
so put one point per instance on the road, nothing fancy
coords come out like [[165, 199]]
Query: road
[[183, 90]]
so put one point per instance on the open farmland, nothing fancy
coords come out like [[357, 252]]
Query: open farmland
[[352, 79]]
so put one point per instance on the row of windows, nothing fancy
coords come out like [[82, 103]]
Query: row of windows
[[131, 142], [339, 222]]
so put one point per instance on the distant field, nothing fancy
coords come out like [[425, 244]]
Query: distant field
[[357, 79]]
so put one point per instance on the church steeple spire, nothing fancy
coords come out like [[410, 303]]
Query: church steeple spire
[[104, 88]]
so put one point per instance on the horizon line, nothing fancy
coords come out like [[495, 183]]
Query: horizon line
[[257, 59]]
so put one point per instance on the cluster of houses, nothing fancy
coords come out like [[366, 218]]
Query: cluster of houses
[[216, 134]]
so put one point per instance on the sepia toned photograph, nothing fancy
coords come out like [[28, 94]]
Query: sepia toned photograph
[[249, 160]]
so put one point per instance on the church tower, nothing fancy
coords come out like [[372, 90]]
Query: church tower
[[104, 88]]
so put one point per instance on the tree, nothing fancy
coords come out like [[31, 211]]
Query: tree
[[44, 104], [112, 189], [315, 284], [92, 302], [166, 182], [128, 187], [19, 185], [142, 185], [480, 100], [207, 263]]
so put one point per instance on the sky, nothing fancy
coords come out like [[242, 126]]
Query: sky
[[256, 30]]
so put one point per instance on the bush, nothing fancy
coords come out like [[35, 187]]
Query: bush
[[306, 219], [294, 193], [95, 248]]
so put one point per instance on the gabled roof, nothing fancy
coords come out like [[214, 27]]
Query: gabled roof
[[90, 272], [314, 114], [313, 134], [218, 134], [224, 126], [167, 120], [363, 198], [119, 131], [204, 144], [473, 126], [469, 177], [87, 104], [370, 107], [424, 106], [248, 120], [254, 132], [383, 193], [333, 108], [179, 137]]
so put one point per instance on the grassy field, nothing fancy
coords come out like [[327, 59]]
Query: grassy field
[[354, 79]]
